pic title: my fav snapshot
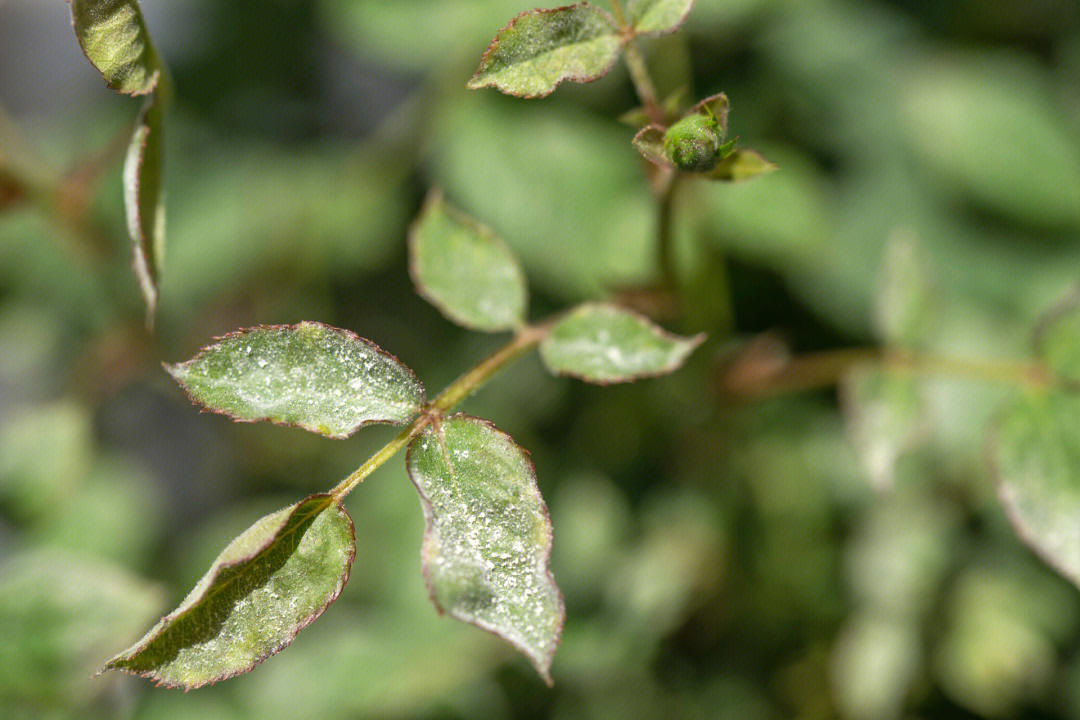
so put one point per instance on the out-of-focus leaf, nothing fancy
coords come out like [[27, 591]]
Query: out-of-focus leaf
[[59, 614], [465, 270], [742, 164], [657, 17], [144, 200], [540, 49], [1036, 458], [993, 131], [113, 35], [311, 375], [885, 419], [874, 663], [607, 344], [910, 300], [267, 585], [488, 540], [1058, 339]]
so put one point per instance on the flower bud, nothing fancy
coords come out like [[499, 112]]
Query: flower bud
[[693, 143]]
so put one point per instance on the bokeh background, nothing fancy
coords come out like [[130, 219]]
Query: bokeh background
[[726, 551]]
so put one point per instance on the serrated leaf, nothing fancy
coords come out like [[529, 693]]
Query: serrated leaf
[[144, 200], [741, 165], [540, 49], [650, 143], [488, 540], [465, 270], [1057, 341], [268, 584], [658, 17], [1036, 456], [114, 38], [311, 375], [607, 344]]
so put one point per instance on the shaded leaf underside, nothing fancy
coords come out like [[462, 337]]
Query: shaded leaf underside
[[310, 375], [608, 344], [542, 48], [488, 538], [270, 582], [465, 270]]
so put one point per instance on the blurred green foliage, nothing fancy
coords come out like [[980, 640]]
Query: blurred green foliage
[[720, 558]]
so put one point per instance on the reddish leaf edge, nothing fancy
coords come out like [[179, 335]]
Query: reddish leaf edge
[[254, 328], [436, 198], [472, 84], [694, 340], [158, 682], [542, 668], [656, 158], [669, 31]]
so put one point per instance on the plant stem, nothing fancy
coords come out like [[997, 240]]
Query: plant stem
[[635, 63], [454, 393], [815, 371], [665, 244]]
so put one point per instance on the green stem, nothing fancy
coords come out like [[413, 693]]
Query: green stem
[[771, 376], [454, 393], [664, 234]]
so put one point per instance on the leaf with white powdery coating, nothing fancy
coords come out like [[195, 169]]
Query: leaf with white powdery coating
[[465, 270], [268, 584], [144, 199], [114, 38], [1035, 454], [608, 344], [311, 375], [488, 540], [658, 17], [541, 48]]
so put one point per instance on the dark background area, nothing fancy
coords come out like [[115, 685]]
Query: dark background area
[[805, 554]]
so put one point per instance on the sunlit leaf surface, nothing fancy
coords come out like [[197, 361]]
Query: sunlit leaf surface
[[488, 538]]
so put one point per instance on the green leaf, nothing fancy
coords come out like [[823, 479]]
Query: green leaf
[[1057, 341], [488, 538], [650, 143], [268, 584], [144, 199], [1035, 454], [539, 49], [311, 375], [465, 270], [741, 165], [886, 418], [60, 613], [658, 17], [114, 38], [607, 344]]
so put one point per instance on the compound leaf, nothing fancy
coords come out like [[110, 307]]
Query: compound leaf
[[144, 199], [488, 538], [541, 48], [607, 344], [740, 165], [1036, 457], [658, 17], [311, 375], [114, 38], [268, 584], [465, 270]]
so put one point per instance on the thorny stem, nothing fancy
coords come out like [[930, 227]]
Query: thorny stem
[[455, 392], [825, 369]]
